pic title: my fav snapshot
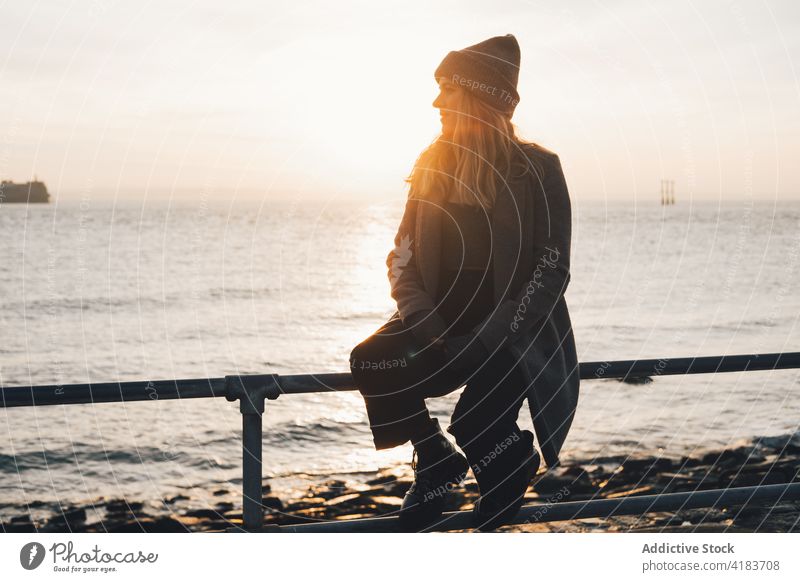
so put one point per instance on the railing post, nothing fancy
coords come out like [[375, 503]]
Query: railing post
[[251, 391]]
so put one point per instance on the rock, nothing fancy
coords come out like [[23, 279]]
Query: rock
[[190, 522], [68, 520], [700, 479], [386, 500], [669, 521], [578, 481], [382, 479], [149, 525], [273, 503], [21, 519], [389, 489], [782, 444], [646, 465], [317, 512], [233, 515], [646, 490], [343, 499], [389, 476], [636, 379], [332, 488], [688, 461], [305, 502], [123, 506], [704, 515], [675, 482], [356, 502], [204, 513], [550, 484], [725, 458], [311, 499], [754, 478]]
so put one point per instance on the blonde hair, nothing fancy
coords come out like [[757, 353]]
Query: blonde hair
[[484, 153]]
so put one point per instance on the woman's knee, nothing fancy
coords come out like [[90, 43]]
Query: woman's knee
[[360, 357], [356, 353], [388, 344], [367, 351]]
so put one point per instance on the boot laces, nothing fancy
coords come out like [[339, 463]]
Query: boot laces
[[423, 477]]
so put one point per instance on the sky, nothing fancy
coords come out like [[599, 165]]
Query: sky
[[332, 100]]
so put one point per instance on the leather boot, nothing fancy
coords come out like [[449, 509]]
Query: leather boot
[[503, 481], [438, 468]]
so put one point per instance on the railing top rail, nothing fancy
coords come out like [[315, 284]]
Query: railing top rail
[[152, 390]]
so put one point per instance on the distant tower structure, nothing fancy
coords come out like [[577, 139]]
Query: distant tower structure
[[667, 192]]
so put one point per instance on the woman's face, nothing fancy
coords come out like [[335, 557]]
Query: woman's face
[[446, 103]]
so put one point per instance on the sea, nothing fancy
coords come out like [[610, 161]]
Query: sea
[[96, 291]]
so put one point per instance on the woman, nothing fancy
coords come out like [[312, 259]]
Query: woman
[[479, 271]]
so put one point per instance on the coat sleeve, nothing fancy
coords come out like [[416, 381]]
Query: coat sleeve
[[545, 285], [406, 284]]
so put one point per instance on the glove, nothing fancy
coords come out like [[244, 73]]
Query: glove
[[465, 352], [426, 326]]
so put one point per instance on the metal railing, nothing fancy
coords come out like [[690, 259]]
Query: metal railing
[[252, 390]]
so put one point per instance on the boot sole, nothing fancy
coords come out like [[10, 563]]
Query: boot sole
[[416, 516]]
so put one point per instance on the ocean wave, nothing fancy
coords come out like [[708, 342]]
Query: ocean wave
[[61, 305], [84, 456], [321, 431], [242, 292], [64, 305], [379, 316]]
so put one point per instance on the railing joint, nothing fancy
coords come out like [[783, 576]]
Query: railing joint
[[251, 391]]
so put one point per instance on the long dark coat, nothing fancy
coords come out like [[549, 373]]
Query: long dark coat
[[531, 232]]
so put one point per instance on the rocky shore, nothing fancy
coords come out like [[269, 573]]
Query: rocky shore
[[766, 460]]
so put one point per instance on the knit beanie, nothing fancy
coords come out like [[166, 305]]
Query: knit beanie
[[489, 69]]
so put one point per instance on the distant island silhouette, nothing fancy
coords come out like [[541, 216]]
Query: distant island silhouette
[[35, 192]]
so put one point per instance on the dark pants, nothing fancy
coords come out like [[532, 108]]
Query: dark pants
[[394, 381]]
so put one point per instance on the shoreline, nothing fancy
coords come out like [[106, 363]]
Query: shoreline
[[763, 461]]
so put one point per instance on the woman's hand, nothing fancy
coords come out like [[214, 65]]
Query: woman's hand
[[465, 352], [427, 326]]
